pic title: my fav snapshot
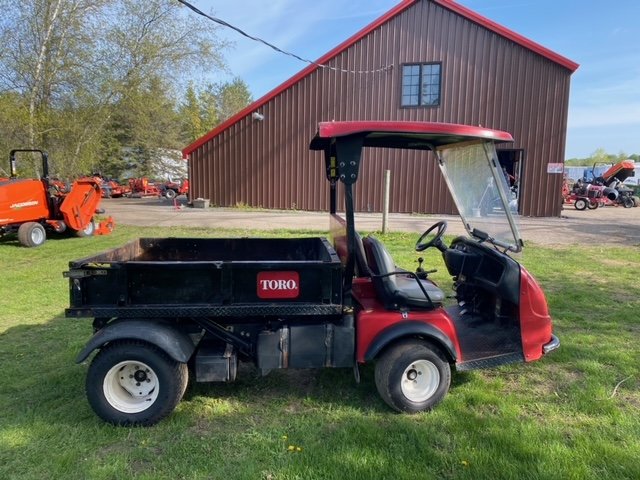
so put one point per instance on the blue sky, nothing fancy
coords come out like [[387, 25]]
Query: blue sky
[[603, 37]]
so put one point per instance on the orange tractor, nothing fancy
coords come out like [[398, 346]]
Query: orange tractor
[[33, 207]]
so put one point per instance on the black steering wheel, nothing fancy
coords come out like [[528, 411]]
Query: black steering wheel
[[436, 241]]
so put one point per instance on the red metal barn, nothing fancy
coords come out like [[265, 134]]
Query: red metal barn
[[434, 60]]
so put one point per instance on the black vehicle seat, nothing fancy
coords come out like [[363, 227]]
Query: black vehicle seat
[[361, 266], [402, 289]]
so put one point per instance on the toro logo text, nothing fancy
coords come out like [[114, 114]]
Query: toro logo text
[[278, 285]]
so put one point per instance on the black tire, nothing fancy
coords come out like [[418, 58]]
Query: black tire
[[400, 369], [628, 202], [593, 205], [580, 204], [120, 368], [31, 234], [636, 201], [88, 231], [170, 194]]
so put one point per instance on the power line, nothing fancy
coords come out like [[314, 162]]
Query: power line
[[277, 49]]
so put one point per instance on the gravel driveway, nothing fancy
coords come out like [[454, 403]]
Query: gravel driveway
[[607, 225]]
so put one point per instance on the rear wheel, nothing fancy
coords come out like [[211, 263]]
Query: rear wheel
[[412, 376], [87, 231], [134, 383], [170, 194], [636, 201], [31, 234], [593, 205], [628, 202], [580, 204]]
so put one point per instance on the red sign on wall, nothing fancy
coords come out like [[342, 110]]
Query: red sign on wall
[[278, 285]]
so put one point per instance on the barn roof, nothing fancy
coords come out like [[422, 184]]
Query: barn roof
[[398, 9]]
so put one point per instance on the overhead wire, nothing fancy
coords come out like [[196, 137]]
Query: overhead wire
[[278, 49]]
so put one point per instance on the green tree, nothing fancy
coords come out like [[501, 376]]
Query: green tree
[[74, 64], [191, 116], [231, 97]]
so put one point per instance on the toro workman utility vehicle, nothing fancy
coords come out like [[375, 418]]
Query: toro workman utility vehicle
[[31, 207], [167, 308]]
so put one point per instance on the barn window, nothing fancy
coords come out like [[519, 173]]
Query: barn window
[[421, 85]]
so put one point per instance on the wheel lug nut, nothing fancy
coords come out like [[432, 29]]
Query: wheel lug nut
[[137, 384]]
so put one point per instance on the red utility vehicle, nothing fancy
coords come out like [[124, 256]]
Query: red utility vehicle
[[165, 309], [173, 189], [31, 207]]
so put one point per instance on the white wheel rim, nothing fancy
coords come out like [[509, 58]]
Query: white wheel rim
[[37, 236], [420, 381], [88, 230], [130, 386]]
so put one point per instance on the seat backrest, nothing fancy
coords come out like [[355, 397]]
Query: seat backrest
[[361, 264], [381, 264]]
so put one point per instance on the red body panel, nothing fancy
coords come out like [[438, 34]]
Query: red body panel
[[373, 319], [535, 321], [22, 201]]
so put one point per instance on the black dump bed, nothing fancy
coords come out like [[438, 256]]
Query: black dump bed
[[180, 277]]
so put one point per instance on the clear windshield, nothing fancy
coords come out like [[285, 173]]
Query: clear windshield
[[481, 192]]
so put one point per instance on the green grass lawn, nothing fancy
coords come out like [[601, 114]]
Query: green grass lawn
[[573, 415]]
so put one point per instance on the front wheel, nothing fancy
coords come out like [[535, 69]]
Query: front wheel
[[170, 194], [580, 204], [134, 383], [31, 234], [412, 376], [87, 231]]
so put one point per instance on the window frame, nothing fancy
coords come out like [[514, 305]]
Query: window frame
[[421, 66]]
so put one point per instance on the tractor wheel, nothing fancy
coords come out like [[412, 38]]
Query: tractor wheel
[[31, 234], [87, 231], [170, 194], [628, 202], [580, 204], [636, 201], [134, 383], [412, 376], [593, 205]]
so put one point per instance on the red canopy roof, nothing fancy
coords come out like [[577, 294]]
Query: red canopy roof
[[405, 134]]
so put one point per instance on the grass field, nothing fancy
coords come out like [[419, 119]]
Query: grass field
[[573, 415]]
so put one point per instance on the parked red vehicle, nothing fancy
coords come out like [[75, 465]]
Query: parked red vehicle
[[113, 189], [165, 309], [31, 207], [173, 189]]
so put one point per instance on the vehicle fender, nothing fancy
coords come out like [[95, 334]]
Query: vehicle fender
[[408, 330], [178, 345]]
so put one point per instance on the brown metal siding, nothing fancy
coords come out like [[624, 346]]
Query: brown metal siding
[[487, 80]]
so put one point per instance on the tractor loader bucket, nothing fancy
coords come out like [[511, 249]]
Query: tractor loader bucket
[[81, 203]]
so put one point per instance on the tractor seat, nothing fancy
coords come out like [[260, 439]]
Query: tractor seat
[[397, 288]]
